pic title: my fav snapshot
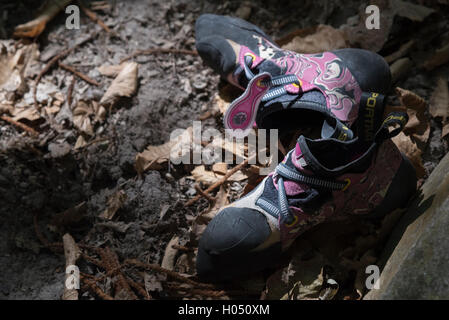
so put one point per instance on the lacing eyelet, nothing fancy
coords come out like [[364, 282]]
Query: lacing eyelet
[[250, 55], [295, 221], [348, 183], [297, 85]]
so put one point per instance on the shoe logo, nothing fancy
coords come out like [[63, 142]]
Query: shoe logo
[[369, 116], [239, 118]]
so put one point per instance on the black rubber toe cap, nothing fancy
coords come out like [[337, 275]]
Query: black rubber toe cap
[[225, 247], [217, 53], [369, 69]]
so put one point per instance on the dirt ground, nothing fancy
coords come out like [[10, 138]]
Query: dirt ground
[[40, 179]]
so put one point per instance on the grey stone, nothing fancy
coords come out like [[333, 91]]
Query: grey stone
[[416, 255]]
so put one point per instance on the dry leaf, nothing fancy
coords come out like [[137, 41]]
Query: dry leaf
[[418, 126], [411, 150], [35, 27], [81, 119], [87, 112], [201, 175], [445, 130], [13, 66], [80, 142], [319, 39], [111, 71], [168, 261], [439, 101], [410, 99], [115, 202], [124, 85], [301, 280], [28, 113], [220, 168], [154, 157]]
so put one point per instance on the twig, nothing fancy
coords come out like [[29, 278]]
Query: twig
[[92, 16], [221, 181], [110, 262], [78, 73], [20, 125], [88, 144], [160, 50], [172, 274], [72, 253], [94, 261], [138, 288], [54, 60], [182, 248], [70, 91], [95, 288], [204, 194]]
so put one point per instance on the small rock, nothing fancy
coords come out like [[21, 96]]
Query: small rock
[[58, 150]]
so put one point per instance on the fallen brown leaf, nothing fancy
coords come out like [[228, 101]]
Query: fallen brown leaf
[[115, 202], [411, 150], [35, 27], [439, 101], [168, 261], [445, 130], [220, 168], [201, 175], [318, 39], [28, 113], [124, 85], [111, 70], [302, 279], [410, 99], [87, 113], [80, 142], [154, 157]]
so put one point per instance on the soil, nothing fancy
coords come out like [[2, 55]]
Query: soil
[[36, 186]]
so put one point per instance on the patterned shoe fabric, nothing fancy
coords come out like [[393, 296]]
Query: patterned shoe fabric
[[297, 88], [318, 181]]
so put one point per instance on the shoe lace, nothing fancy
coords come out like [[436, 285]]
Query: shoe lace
[[276, 83], [283, 171]]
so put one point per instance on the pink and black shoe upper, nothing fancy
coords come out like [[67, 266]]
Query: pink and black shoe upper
[[318, 181], [297, 88]]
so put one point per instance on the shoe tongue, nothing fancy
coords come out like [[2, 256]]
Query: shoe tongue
[[270, 67], [303, 160]]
